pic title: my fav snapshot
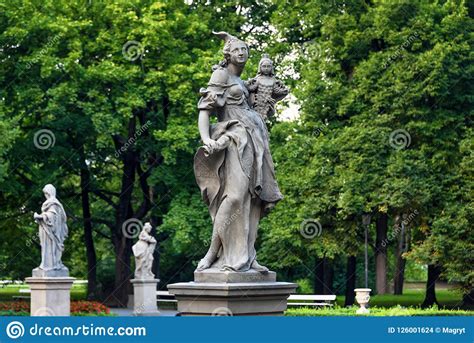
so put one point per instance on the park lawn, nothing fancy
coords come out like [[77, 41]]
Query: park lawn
[[374, 312], [78, 292], [447, 298]]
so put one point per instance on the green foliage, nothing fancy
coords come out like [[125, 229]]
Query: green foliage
[[304, 286], [14, 313], [71, 71], [375, 312], [360, 70], [364, 71]]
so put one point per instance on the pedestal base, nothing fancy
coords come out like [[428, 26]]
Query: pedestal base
[[63, 272], [232, 299], [216, 275], [144, 297], [50, 296]]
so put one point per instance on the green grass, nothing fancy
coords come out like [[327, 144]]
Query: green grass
[[88, 314], [374, 311], [78, 292], [448, 299], [14, 313]]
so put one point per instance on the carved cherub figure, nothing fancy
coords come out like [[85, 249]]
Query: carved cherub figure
[[265, 89]]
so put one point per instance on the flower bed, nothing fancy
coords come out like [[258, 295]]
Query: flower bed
[[78, 308], [93, 307], [15, 306]]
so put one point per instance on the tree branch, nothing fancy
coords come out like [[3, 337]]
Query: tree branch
[[104, 197], [102, 234]]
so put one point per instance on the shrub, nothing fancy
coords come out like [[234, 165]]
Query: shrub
[[89, 307], [304, 286], [375, 311], [15, 306], [78, 308], [14, 313]]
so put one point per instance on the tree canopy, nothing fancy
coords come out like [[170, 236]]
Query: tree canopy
[[99, 98]]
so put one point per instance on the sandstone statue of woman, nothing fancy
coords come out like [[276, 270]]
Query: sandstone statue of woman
[[53, 231], [234, 169]]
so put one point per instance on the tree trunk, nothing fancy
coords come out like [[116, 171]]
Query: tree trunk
[[155, 222], [319, 276], [430, 296], [123, 273], [88, 239], [350, 281], [381, 254], [122, 237], [400, 263], [328, 276]]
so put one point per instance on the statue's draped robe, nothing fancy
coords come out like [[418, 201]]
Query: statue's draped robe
[[238, 181], [53, 231]]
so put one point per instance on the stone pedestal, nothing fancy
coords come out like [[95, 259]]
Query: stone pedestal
[[144, 297], [50, 296], [217, 293]]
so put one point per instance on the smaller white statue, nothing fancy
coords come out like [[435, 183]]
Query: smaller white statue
[[143, 251], [53, 231]]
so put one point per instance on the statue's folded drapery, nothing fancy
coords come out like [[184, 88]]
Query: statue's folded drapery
[[238, 180]]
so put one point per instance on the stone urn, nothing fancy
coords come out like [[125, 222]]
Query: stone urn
[[362, 298]]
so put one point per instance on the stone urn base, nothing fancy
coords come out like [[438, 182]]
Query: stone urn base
[[362, 298], [218, 293]]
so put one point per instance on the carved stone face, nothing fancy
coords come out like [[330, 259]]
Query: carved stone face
[[147, 227], [266, 68], [238, 53]]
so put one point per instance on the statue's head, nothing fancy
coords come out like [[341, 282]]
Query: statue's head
[[49, 191], [147, 227], [265, 66], [235, 50]]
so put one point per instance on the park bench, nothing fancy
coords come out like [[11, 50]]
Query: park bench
[[310, 300], [5, 283], [23, 297], [165, 296]]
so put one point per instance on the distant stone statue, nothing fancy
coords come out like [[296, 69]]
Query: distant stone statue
[[143, 252], [265, 90], [53, 231], [234, 169]]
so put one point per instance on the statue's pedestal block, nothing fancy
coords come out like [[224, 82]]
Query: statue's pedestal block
[[144, 297], [215, 275], [217, 293], [50, 296]]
